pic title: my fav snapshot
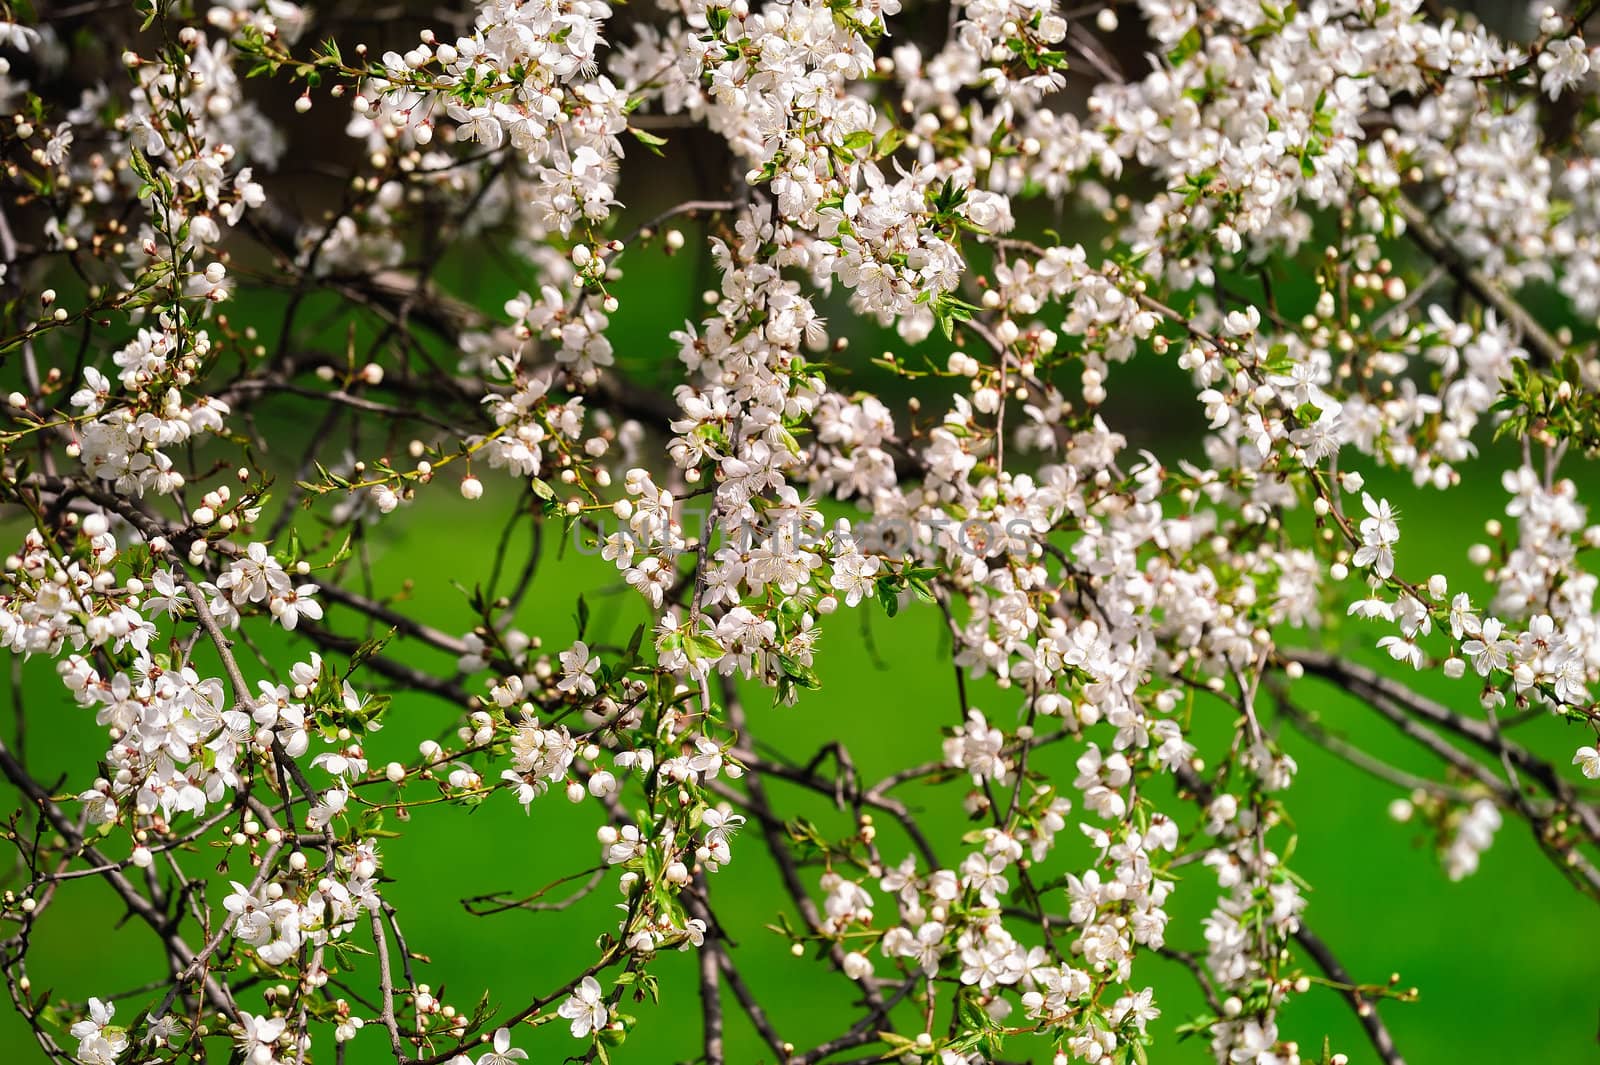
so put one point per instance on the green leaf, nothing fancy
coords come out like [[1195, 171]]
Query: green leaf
[[369, 648], [648, 139], [889, 595], [698, 646], [861, 138], [799, 672]]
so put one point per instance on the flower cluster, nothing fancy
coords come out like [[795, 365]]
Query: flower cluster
[[1359, 244]]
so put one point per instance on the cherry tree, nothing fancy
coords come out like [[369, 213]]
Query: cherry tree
[[1365, 233]]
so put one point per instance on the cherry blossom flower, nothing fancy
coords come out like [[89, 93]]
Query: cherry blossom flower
[[585, 1008]]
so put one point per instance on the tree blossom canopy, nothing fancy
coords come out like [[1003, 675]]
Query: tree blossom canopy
[[1366, 233]]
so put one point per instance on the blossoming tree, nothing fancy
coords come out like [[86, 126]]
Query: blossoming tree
[[1366, 232]]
